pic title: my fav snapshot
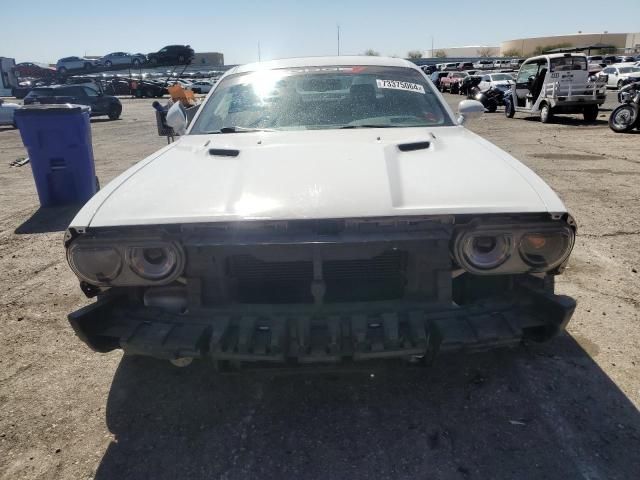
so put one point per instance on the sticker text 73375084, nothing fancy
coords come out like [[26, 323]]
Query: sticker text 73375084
[[400, 85]]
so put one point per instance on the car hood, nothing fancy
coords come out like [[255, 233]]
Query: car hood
[[319, 174]]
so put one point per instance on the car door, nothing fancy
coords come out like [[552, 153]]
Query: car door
[[97, 102], [526, 75]]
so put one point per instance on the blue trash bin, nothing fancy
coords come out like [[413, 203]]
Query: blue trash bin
[[58, 140]]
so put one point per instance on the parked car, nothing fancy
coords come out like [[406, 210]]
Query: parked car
[[502, 63], [449, 66], [429, 69], [31, 70], [483, 64], [627, 59], [617, 74], [100, 103], [172, 55], [201, 86], [465, 66], [116, 87], [436, 76], [599, 59], [123, 58], [69, 64], [7, 111], [276, 251], [452, 81], [610, 59], [559, 83], [501, 81], [147, 88]]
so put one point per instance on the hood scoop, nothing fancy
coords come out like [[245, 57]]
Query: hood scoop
[[223, 152], [410, 147]]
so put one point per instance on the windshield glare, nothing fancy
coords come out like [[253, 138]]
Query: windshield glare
[[501, 77], [322, 98]]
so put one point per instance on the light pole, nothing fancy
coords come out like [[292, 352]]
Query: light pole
[[259, 56], [338, 25]]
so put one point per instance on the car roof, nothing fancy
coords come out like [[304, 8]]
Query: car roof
[[557, 55], [346, 60]]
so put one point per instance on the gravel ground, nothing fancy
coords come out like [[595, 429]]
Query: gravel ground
[[565, 409]]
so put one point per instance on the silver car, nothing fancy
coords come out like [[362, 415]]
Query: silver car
[[76, 63], [123, 58]]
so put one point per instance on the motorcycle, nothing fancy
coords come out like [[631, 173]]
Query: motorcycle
[[625, 116], [490, 98]]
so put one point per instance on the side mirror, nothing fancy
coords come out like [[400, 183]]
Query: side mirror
[[468, 110]]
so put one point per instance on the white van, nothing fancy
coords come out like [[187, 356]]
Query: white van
[[558, 83]]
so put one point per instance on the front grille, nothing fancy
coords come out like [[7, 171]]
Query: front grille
[[252, 280]]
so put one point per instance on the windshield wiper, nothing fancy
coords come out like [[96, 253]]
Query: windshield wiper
[[236, 129], [369, 126]]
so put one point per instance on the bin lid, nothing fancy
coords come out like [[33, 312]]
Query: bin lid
[[55, 108]]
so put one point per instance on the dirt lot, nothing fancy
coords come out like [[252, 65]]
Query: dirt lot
[[566, 409]]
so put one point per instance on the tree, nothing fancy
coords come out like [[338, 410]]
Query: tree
[[513, 52], [370, 52], [485, 52], [539, 50], [414, 54], [440, 54]]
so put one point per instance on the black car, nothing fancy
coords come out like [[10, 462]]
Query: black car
[[100, 103], [172, 55], [465, 66]]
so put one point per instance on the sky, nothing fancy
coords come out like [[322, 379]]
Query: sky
[[45, 30]]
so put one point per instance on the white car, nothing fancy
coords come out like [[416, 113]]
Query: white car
[[618, 73], [201, 86], [7, 111], [68, 64], [483, 64], [298, 221], [497, 80]]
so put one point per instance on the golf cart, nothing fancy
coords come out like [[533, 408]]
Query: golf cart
[[558, 83]]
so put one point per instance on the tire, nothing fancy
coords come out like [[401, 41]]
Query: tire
[[114, 112], [620, 84], [545, 114], [590, 113], [108, 64], [509, 109], [623, 118], [492, 106]]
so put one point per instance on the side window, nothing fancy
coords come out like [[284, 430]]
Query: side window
[[486, 78], [90, 91]]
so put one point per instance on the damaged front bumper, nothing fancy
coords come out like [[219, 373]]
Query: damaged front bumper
[[331, 333]]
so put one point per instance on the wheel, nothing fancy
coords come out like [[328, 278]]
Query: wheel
[[62, 70], [114, 112], [590, 113], [108, 64], [492, 106], [620, 84], [509, 109], [623, 118], [545, 114]]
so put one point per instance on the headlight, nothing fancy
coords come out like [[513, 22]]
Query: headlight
[[489, 249], [96, 265], [545, 250], [152, 263], [125, 262], [486, 251]]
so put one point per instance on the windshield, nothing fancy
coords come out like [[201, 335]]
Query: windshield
[[629, 69], [561, 64], [322, 98], [501, 77]]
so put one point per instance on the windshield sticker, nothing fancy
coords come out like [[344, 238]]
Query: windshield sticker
[[399, 85]]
